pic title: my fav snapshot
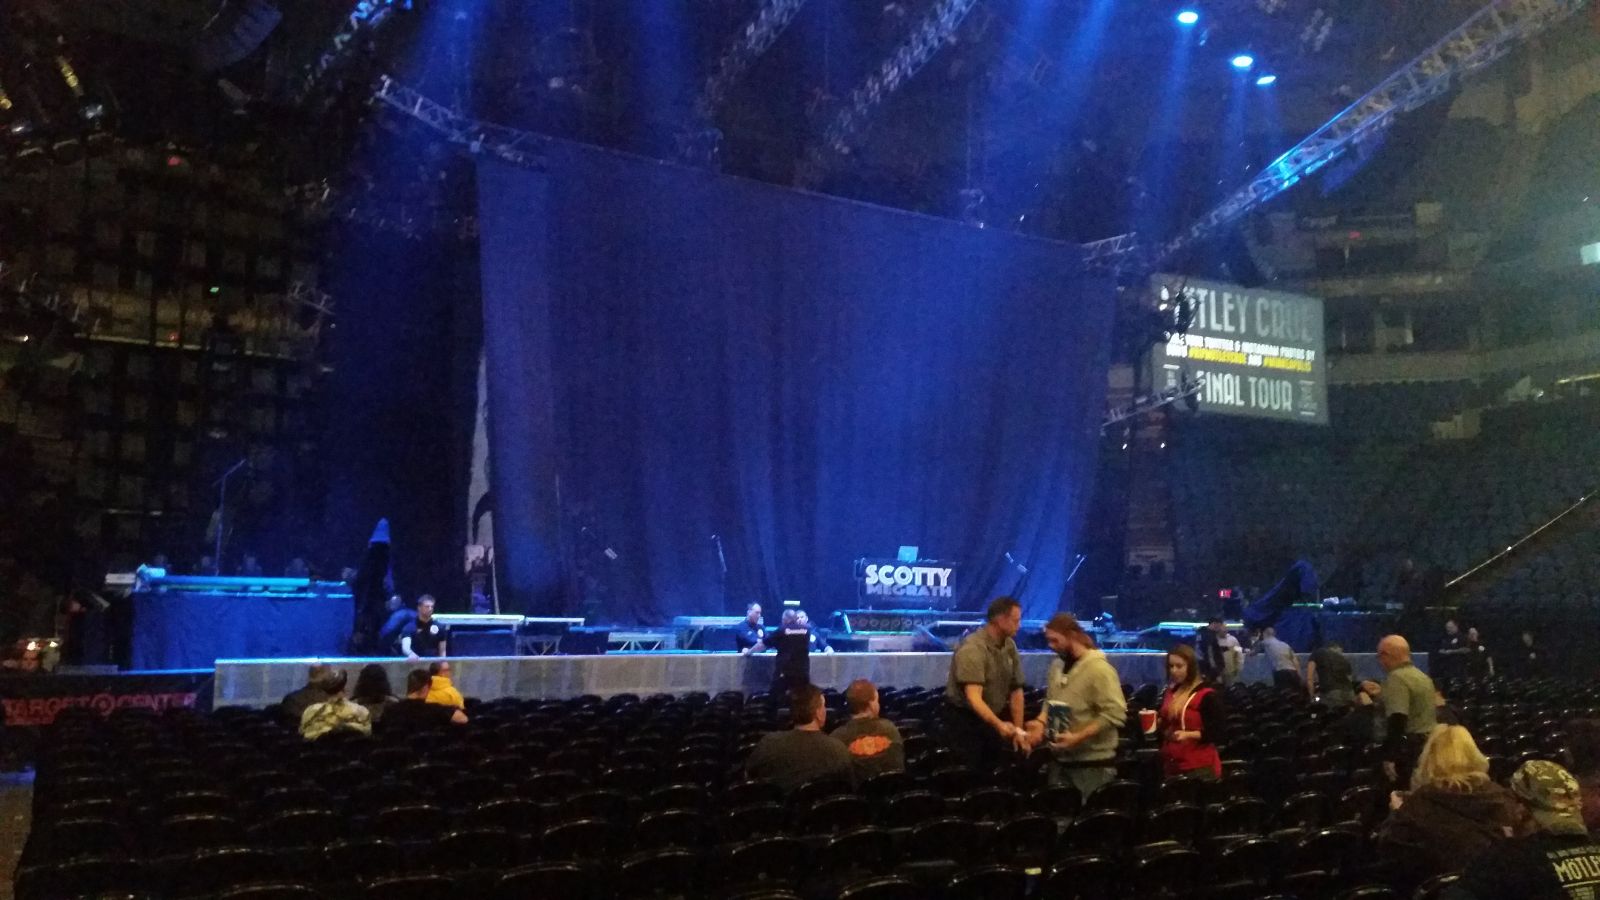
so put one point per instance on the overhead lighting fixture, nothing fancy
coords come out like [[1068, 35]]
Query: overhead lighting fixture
[[1266, 80], [1243, 61], [1188, 17]]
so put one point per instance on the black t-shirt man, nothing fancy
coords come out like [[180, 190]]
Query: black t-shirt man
[[426, 636]]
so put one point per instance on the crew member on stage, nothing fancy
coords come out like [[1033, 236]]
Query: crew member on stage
[[817, 642], [983, 697], [1451, 660], [792, 667], [751, 636], [425, 637]]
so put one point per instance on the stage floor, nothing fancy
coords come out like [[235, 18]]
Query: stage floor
[[260, 682]]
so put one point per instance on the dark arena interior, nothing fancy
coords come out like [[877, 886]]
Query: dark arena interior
[[762, 449]]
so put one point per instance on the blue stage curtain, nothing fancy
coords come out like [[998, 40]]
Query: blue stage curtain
[[674, 354]]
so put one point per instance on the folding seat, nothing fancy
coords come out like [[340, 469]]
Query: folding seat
[[670, 872], [780, 860], [1330, 850], [299, 828], [411, 887], [945, 838], [1184, 789], [1178, 822], [89, 876], [1254, 860], [859, 850], [180, 834], [669, 828], [831, 815], [1307, 810], [1120, 795], [991, 882], [1028, 840], [211, 871], [882, 786], [71, 838], [410, 823], [1085, 876], [1433, 888], [1166, 869], [477, 848], [1243, 816], [908, 809], [546, 881], [1060, 801], [1104, 831], [683, 796], [364, 858], [952, 782], [275, 891], [753, 820], [883, 887], [818, 789], [990, 805], [580, 839], [613, 806]]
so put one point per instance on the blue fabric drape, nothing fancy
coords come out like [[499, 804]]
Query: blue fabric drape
[[812, 380]]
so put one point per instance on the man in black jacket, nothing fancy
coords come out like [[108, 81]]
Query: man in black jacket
[[1558, 860]]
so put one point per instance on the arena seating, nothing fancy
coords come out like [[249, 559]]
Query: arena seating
[[1358, 500], [643, 797]]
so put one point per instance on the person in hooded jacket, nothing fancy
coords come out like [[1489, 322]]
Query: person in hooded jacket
[[1452, 812]]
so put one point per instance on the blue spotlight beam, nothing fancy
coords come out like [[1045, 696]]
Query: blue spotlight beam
[[934, 32], [758, 36], [1486, 36], [520, 148]]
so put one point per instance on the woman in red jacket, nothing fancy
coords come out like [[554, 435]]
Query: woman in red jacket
[[1191, 719]]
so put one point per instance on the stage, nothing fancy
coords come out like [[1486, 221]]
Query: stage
[[245, 682]]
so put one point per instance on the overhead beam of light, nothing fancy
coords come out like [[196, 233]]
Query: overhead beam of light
[[1188, 17]]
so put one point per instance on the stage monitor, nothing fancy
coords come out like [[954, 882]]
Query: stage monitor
[[1250, 352]]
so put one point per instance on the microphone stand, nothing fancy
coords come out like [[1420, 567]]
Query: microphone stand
[[722, 568], [222, 510]]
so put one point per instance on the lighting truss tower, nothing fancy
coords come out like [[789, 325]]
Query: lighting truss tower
[[520, 148], [932, 33], [1486, 36], [365, 17], [758, 36]]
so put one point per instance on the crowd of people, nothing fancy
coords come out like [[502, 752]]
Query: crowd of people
[[324, 705]]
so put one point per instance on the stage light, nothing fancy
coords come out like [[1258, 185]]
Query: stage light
[[92, 112], [1243, 61], [1266, 80], [1188, 17]]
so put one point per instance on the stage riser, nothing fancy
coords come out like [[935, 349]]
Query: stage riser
[[264, 682]]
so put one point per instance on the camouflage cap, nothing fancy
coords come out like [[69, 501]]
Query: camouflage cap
[[1551, 795]]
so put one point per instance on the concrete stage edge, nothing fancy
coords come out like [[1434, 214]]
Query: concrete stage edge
[[262, 682]]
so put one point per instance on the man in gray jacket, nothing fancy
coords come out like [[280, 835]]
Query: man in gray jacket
[[1083, 679]]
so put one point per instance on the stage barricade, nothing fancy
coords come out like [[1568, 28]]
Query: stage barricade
[[263, 682]]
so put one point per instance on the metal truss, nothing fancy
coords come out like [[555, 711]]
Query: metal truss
[[520, 148], [925, 40], [1486, 36], [367, 15], [758, 36], [1150, 404]]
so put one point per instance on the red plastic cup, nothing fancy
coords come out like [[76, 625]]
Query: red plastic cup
[[1147, 720]]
